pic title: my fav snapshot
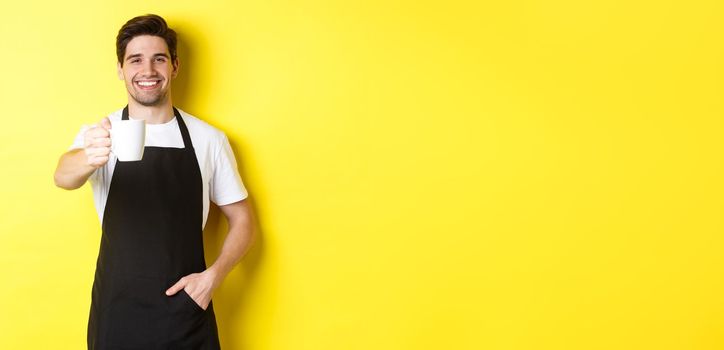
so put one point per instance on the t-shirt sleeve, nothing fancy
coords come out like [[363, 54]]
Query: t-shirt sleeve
[[79, 138], [78, 143], [226, 184]]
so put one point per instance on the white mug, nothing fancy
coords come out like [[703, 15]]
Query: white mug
[[128, 139]]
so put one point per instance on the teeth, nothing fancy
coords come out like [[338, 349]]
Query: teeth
[[147, 83]]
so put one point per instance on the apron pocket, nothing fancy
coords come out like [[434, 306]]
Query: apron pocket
[[187, 327], [191, 301]]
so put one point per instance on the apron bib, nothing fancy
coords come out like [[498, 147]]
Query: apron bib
[[152, 236]]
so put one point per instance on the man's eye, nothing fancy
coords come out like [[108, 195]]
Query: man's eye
[[135, 60], [160, 59]]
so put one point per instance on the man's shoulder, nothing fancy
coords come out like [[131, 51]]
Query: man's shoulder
[[201, 128]]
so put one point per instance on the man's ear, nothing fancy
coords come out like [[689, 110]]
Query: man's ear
[[119, 70], [174, 73]]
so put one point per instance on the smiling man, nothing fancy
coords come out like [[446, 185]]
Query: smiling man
[[152, 288]]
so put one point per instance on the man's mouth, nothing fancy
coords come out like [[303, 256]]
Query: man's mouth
[[147, 84]]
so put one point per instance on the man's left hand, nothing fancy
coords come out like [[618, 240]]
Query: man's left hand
[[199, 286]]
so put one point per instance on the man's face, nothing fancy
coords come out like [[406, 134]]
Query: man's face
[[147, 70]]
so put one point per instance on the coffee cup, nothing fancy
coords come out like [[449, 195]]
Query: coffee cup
[[128, 139]]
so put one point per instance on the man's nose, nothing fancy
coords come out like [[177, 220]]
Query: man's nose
[[147, 67]]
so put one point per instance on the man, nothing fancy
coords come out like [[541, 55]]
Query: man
[[152, 289]]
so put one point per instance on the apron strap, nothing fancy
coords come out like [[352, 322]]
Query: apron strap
[[184, 131]]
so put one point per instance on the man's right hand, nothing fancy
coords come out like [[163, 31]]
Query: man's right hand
[[97, 144]]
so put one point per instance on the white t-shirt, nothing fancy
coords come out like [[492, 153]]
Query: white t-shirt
[[221, 181]]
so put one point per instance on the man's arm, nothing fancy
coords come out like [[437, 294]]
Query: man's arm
[[200, 286], [76, 166], [73, 169], [238, 240]]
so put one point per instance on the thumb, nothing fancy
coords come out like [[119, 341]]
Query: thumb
[[106, 123], [176, 287]]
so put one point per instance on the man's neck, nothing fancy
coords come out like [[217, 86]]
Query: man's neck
[[160, 114]]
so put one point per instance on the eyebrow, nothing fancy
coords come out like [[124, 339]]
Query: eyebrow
[[135, 55]]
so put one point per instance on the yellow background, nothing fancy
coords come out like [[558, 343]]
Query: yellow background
[[426, 175]]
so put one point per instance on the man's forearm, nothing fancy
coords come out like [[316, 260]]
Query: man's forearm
[[237, 243], [73, 170]]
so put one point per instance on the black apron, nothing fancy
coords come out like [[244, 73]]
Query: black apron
[[152, 236]]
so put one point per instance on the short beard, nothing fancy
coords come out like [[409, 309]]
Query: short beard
[[152, 101]]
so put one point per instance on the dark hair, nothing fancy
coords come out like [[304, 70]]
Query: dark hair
[[145, 25]]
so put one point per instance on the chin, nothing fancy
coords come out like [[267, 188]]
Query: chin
[[150, 101]]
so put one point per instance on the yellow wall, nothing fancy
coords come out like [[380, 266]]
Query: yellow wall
[[427, 175]]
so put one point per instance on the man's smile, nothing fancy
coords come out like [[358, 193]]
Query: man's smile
[[147, 84]]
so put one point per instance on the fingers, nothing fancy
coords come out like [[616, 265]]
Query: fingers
[[97, 151], [95, 135], [97, 143], [100, 142], [105, 123], [195, 288], [177, 287], [97, 131], [97, 157], [98, 161]]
